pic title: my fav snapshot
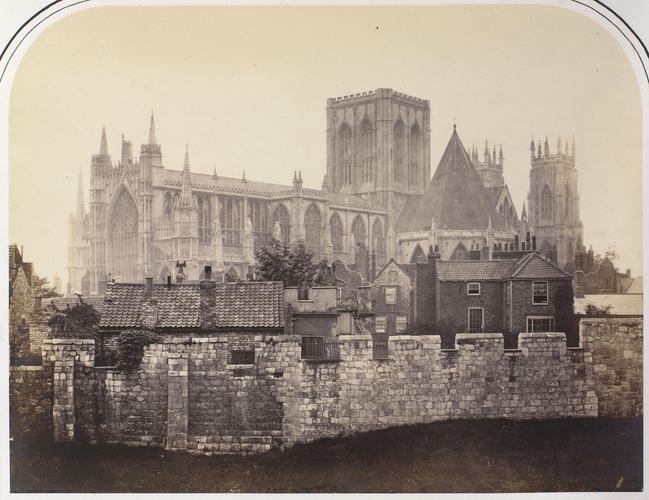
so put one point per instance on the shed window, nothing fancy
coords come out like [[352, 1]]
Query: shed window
[[473, 288], [540, 292], [241, 357]]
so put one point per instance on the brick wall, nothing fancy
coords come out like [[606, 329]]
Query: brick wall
[[455, 302], [616, 348]]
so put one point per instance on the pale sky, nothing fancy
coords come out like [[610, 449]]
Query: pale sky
[[246, 88]]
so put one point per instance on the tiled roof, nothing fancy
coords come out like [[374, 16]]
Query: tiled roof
[[532, 266], [622, 304], [187, 305], [15, 261], [246, 304], [62, 303], [468, 270], [455, 197]]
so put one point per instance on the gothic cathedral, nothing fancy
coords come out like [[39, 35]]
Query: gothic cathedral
[[377, 202]]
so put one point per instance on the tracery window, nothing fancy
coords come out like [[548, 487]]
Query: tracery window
[[345, 161], [204, 219], [378, 238], [358, 231], [414, 146], [546, 203], [231, 222], [336, 229], [312, 226], [122, 238], [366, 160], [167, 205], [399, 150], [281, 215]]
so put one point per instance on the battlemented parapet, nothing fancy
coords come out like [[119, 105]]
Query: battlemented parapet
[[197, 393]]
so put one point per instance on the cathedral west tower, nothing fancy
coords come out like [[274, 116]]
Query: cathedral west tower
[[553, 201]]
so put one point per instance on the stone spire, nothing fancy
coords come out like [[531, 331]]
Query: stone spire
[[524, 213], [81, 209], [500, 155], [486, 152], [152, 138], [103, 145], [546, 147], [186, 190]]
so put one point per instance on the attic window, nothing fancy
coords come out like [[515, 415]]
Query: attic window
[[473, 288]]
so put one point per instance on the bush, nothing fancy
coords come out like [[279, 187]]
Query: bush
[[130, 348], [595, 311]]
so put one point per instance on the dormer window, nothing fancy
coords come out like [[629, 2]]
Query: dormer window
[[473, 288]]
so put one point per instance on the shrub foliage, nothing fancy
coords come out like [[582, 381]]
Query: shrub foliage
[[130, 348]]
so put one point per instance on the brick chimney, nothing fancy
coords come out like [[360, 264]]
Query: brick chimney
[[148, 287]]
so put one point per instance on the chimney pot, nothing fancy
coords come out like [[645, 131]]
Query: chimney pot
[[169, 281]]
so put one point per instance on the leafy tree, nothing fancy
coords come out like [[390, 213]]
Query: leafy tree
[[78, 321], [130, 348], [41, 288], [277, 262]]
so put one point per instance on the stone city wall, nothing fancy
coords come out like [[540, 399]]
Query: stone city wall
[[615, 345], [187, 395]]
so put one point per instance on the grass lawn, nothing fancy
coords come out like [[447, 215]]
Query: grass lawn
[[450, 456]]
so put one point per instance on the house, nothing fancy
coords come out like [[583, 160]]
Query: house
[[21, 302], [238, 311], [392, 293], [530, 294]]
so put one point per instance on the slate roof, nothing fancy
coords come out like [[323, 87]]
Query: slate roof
[[236, 305], [623, 304], [455, 197], [533, 266], [473, 270]]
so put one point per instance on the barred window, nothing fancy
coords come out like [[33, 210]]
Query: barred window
[[241, 357], [540, 292], [313, 347]]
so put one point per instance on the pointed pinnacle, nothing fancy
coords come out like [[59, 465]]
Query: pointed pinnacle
[[152, 138], [103, 146]]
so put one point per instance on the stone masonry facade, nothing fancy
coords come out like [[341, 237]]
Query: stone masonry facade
[[616, 346], [187, 394]]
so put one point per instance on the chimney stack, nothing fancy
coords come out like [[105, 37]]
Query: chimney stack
[[208, 273], [148, 287], [169, 281]]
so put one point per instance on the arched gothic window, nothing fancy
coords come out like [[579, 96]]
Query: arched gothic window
[[546, 203], [167, 205], [204, 219], [122, 238], [365, 157], [312, 226], [414, 146], [281, 215], [418, 255], [345, 153], [460, 252], [358, 231], [257, 213], [336, 228], [378, 239], [231, 222], [568, 212], [399, 150]]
